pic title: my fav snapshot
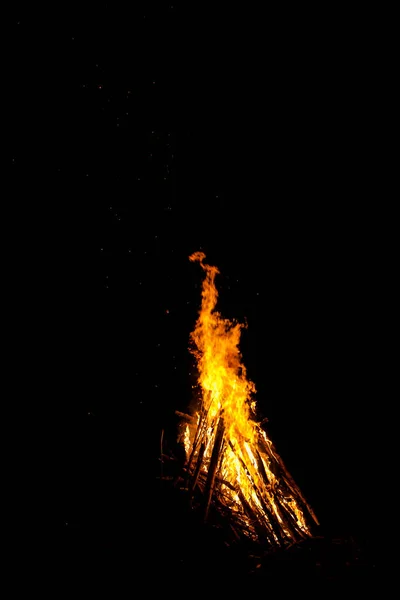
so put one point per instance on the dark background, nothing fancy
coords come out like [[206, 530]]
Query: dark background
[[136, 137]]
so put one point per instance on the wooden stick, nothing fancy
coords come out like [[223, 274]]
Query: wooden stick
[[219, 437], [197, 470], [185, 416]]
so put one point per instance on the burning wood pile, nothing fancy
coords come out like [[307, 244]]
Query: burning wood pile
[[232, 468]]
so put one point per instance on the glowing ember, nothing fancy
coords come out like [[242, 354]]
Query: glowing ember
[[231, 461]]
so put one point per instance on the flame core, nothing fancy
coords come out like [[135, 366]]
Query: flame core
[[230, 458]]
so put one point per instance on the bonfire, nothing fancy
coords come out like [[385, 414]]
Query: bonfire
[[231, 466]]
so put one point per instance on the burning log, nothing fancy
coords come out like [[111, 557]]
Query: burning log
[[258, 528], [219, 438], [197, 469], [285, 477], [229, 458], [184, 416]]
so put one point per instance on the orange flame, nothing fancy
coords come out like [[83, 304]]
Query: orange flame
[[229, 455]]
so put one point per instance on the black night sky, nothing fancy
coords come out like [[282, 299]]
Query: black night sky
[[138, 137]]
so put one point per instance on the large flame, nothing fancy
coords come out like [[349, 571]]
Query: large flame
[[229, 455]]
